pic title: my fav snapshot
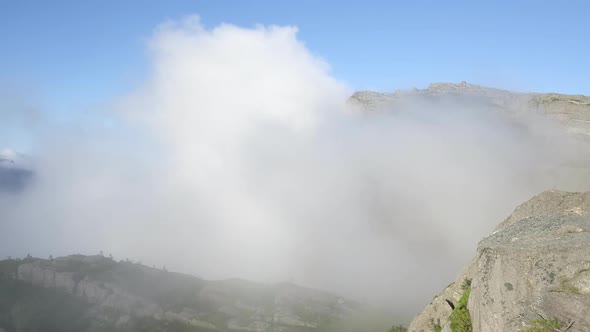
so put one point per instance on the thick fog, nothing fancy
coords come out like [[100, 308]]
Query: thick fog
[[239, 158]]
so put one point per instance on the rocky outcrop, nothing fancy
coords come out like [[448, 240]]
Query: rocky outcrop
[[573, 111], [534, 267]]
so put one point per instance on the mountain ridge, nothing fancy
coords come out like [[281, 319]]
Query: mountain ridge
[[124, 295], [573, 111]]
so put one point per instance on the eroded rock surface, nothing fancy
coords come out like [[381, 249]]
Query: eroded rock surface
[[534, 267], [536, 264]]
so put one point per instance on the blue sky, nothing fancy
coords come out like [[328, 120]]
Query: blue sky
[[72, 55]]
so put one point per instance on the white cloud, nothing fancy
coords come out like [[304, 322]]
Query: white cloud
[[237, 159]]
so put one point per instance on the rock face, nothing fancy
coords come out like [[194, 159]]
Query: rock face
[[120, 293], [573, 111], [536, 264]]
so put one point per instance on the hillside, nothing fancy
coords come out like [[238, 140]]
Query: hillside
[[96, 293]]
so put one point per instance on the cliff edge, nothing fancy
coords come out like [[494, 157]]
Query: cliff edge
[[531, 274]]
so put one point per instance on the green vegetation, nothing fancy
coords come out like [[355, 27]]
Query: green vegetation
[[460, 318], [543, 325], [398, 328]]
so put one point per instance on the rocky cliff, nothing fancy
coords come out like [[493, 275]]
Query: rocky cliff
[[573, 111], [531, 274]]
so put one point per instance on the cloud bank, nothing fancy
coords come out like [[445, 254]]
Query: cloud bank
[[238, 158]]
